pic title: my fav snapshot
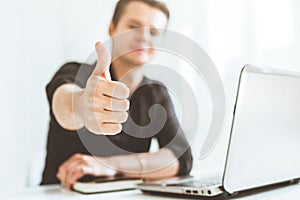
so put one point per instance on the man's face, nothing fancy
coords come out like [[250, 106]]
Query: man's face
[[141, 26]]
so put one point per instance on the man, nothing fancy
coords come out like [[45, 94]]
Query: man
[[89, 111]]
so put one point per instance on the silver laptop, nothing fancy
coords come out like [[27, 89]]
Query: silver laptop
[[264, 145]]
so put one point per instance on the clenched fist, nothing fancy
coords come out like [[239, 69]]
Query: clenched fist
[[103, 104]]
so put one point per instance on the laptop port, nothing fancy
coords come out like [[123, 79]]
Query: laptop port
[[195, 191], [209, 192], [188, 191]]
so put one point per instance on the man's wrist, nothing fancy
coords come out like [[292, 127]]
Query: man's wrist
[[76, 108], [112, 163], [129, 165]]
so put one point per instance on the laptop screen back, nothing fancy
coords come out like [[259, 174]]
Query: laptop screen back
[[265, 138]]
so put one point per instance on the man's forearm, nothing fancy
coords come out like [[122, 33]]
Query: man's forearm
[[65, 99], [147, 165]]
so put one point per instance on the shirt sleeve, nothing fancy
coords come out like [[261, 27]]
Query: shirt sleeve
[[71, 72], [172, 136]]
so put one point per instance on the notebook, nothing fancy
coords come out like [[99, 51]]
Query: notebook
[[91, 184]]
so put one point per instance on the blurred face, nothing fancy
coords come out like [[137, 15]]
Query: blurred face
[[141, 26]]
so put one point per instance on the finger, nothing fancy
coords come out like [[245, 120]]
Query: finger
[[103, 61], [79, 172], [113, 89], [58, 176], [73, 176], [106, 116], [112, 104], [110, 128], [61, 174], [68, 182], [71, 170]]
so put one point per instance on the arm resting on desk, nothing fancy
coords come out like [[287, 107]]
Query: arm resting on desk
[[162, 163], [143, 165]]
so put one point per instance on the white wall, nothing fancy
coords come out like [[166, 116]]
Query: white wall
[[39, 36]]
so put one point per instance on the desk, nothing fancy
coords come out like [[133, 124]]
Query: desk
[[54, 192]]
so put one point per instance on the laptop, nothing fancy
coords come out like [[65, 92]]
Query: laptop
[[263, 148]]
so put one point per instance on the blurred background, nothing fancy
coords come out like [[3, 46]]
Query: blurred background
[[37, 37]]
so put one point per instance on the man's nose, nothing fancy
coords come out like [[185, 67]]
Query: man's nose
[[143, 34]]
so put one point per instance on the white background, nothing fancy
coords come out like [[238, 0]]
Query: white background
[[37, 37]]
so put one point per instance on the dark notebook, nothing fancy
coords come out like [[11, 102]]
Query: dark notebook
[[91, 184]]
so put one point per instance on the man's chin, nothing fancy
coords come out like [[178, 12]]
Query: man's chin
[[138, 62]]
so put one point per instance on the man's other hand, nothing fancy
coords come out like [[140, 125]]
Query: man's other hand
[[80, 165]]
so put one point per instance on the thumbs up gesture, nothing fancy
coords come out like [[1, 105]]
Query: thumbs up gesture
[[103, 103]]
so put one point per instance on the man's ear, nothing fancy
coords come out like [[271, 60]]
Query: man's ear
[[111, 29]]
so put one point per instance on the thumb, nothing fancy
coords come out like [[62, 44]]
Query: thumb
[[103, 61]]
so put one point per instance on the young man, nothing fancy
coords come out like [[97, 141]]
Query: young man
[[88, 110]]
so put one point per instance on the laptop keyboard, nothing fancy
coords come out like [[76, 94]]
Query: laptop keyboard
[[198, 183]]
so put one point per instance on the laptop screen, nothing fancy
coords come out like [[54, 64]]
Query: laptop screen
[[264, 146]]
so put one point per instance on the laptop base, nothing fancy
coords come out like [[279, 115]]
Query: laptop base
[[222, 196]]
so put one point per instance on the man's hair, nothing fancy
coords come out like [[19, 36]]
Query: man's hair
[[121, 5]]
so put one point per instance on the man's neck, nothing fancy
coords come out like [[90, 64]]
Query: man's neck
[[128, 74]]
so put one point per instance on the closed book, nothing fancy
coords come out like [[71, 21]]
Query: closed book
[[90, 184]]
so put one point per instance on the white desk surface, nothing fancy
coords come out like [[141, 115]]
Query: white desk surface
[[291, 192]]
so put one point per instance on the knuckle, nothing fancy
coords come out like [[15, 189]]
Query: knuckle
[[126, 104], [111, 84], [108, 86], [123, 117], [114, 105], [85, 158], [115, 117], [123, 90], [82, 158], [60, 169], [77, 155], [127, 93], [81, 170], [68, 170], [118, 128]]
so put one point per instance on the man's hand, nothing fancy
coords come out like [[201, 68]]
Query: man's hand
[[79, 165], [102, 105]]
